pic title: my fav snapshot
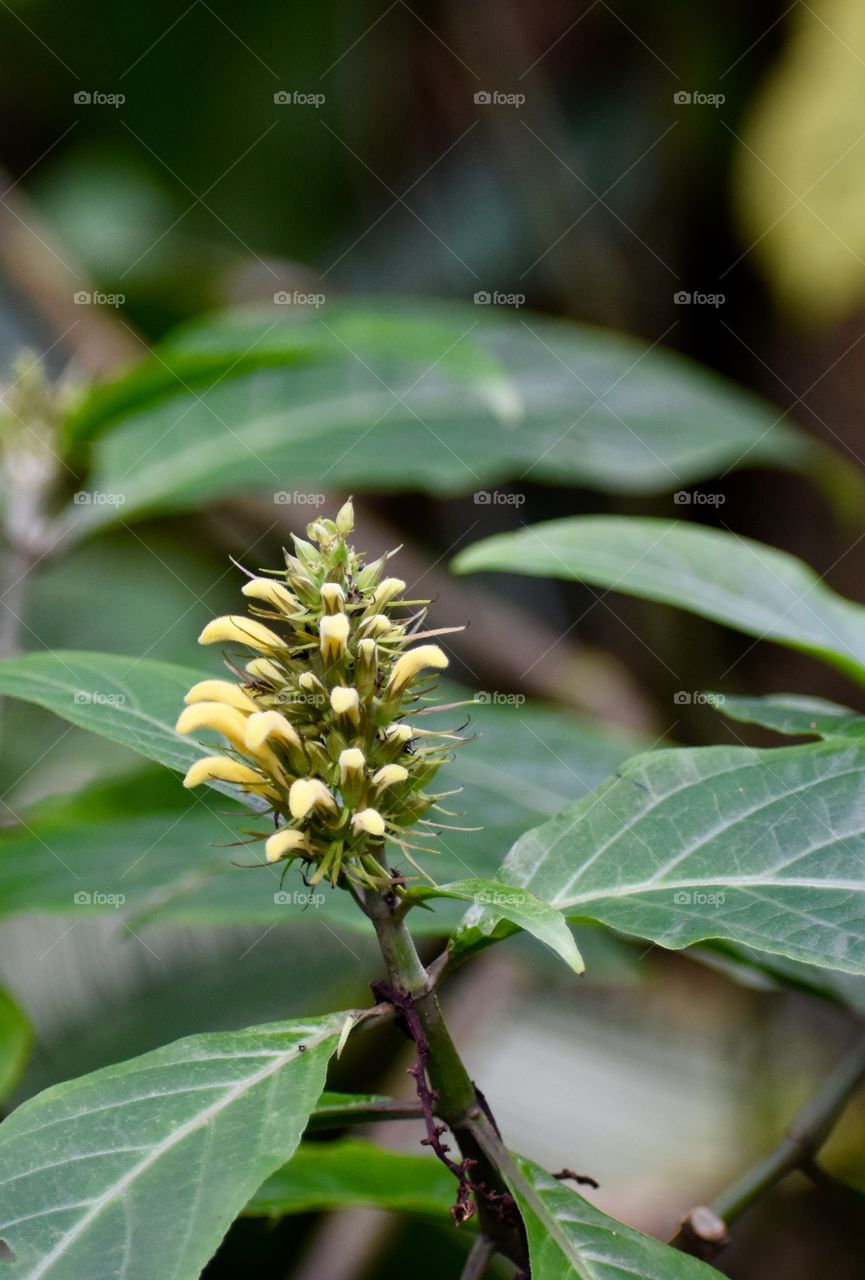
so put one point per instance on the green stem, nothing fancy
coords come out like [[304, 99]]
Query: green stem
[[457, 1101], [703, 1230]]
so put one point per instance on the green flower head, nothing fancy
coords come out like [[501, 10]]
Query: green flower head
[[315, 721]]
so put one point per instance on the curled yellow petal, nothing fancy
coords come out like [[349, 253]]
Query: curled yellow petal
[[223, 719], [369, 820], [389, 774], [271, 592], [286, 843], [413, 662], [237, 629], [386, 591], [220, 691], [222, 769], [309, 793], [269, 724], [333, 631]]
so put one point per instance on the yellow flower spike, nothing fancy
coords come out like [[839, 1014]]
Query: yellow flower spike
[[264, 669], [333, 631], [222, 769], [333, 596], [345, 518], [269, 724], [370, 821], [220, 691], [309, 793], [346, 702], [271, 592], [286, 843], [389, 774], [412, 663], [237, 629], [386, 591]]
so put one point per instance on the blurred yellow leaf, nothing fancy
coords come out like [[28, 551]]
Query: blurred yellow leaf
[[800, 183]]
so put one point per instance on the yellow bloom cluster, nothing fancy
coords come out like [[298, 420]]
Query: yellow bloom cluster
[[315, 721]]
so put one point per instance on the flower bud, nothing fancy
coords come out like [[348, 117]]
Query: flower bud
[[333, 597], [370, 821], [386, 591], [306, 794], [271, 592], [333, 631], [286, 843], [388, 775], [352, 766], [345, 518], [346, 702]]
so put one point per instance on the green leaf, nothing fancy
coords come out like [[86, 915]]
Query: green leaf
[[732, 580], [16, 1037], [569, 1237], [478, 397], [794, 715], [763, 849], [140, 1168], [168, 862], [518, 907], [331, 1175]]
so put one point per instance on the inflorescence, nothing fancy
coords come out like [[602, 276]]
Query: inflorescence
[[315, 721]]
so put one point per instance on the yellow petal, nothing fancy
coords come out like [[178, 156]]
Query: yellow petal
[[220, 691], [389, 774], [386, 591], [285, 844], [411, 663], [237, 629], [264, 669], [333, 596], [345, 702], [333, 630], [223, 719], [272, 593], [369, 820], [306, 794], [222, 769], [351, 761], [269, 724], [399, 733]]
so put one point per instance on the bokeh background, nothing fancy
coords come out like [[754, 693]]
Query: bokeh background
[[586, 160]]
